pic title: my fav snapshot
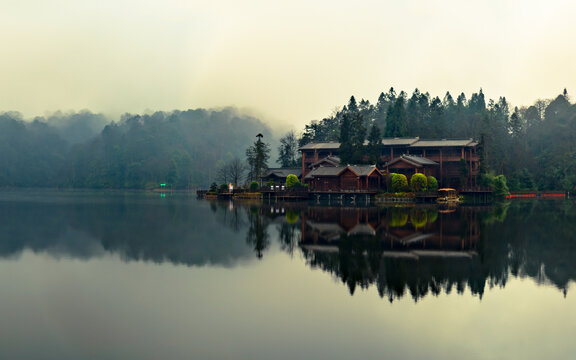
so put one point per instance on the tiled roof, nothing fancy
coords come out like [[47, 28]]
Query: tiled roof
[[412, 142], [444, 143], [283, 172], [361, 170], [325, 171], [321, 146], [417, 161], [332, 160], [399, 141]]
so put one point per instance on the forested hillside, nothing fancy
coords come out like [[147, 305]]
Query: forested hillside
[[180, 148], [534, 146]]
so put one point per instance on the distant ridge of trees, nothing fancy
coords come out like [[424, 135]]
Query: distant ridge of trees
[[84, 150], [533, 146]]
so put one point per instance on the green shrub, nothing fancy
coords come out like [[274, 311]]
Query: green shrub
[[487, 179], [432, 183], [223, 188], [299, 185], [213, 188], [500, 189], [291, 180], [399, 182], [254, 186], [418, 182]]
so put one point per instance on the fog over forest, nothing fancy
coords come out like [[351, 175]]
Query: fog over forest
[[533, 146], [88, 150]]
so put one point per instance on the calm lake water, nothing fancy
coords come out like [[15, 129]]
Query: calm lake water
[[110, 275]]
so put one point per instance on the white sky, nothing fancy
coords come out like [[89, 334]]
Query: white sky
[[290, 61]]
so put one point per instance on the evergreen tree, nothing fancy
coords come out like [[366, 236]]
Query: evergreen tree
[[414, 114], [380, 112], [374, 144], [396, 118], [346, 150], [352, 106], [437, 118], [449, 108], [257, 157], [515, 124]]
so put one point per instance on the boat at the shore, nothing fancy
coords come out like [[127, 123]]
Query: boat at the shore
[[447, 196]]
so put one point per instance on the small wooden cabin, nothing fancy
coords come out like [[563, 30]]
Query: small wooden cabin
[[278, 175], [410, 165], [344, 178]]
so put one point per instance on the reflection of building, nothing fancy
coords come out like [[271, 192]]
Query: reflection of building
[[345, 178], [453, 162], [399, 231], [417, 250]]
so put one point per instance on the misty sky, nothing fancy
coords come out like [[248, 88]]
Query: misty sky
[[289, 62]]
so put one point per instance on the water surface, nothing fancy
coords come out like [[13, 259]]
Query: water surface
[[113, 275]]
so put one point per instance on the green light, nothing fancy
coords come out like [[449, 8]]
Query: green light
[[162, 185]]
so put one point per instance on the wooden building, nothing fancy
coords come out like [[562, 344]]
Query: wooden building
[[357, 178], [313, 152], [457, 160], [410, 165], [278, 175]]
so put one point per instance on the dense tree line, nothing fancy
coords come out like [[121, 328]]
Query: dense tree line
[[533, 146], [84, 150]]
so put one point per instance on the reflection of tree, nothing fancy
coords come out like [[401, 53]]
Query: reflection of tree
[[257, 234], [229, 215], [359, 246], [289, 235], [134, 227], [523, 239], [536, 240], [360, 263]]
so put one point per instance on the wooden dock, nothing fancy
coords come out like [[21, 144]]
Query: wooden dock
[[285, 194]]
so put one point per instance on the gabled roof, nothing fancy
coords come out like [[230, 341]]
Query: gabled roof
[[283, 172], [412, 142], [417, 161], [359, 170], [363, 170], [444, 143], [325, 171], [330, 160], [399, 141], [321, 146]]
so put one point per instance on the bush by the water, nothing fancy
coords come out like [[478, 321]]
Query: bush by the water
[[418, 182], [254, 186], [291, 180], [399, 182], [432, 183]]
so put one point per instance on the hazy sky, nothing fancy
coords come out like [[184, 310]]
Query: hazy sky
[[290, 61]]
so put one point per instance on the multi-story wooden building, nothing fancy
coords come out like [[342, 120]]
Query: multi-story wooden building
[[454, 162]]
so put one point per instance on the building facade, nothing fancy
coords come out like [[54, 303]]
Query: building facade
[[453, 162]]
